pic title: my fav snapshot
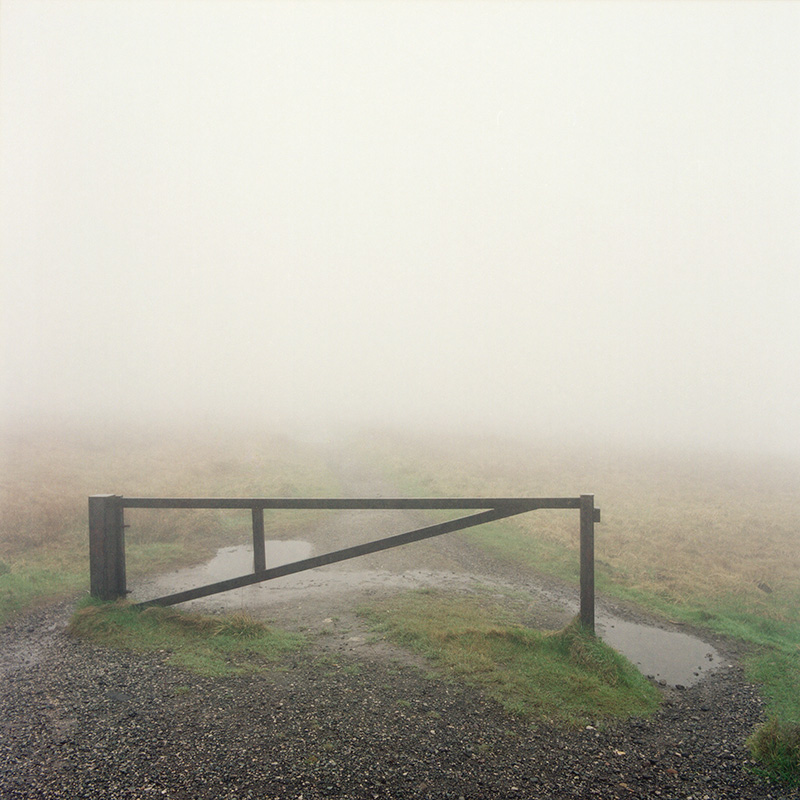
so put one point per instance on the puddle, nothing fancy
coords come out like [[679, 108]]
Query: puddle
[[230, 562], [675, 658], [672, 657]]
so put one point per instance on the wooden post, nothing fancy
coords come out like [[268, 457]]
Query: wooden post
[[587, 561], [259, 548], [106, 547]]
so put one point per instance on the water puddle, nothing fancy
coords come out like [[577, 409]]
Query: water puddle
[[672, 657], [675, 658], [230, 562]]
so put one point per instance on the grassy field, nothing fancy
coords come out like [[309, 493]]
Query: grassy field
[[702, 538], [49, 474], [708, 538]]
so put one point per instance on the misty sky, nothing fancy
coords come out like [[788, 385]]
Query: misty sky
[[568, 217]]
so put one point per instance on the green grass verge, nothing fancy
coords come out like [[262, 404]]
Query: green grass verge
[[43, 577], [207, 645], [508, 542], [23, 586], [569, 676]]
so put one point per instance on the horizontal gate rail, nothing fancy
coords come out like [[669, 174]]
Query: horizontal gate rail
[[522, 504], [107, 535]]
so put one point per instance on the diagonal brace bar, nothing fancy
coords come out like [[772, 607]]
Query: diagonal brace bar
[[338, 555]]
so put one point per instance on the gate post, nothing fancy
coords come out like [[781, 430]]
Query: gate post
[[259, 546], [106, 547], [587, 560]]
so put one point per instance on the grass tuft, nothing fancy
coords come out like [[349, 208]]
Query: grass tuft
[[569, 676], [776, 746], [208, 645]]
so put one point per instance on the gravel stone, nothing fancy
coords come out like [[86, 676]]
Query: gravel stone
[[80, 721]]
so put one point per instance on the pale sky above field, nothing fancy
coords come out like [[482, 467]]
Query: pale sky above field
[[559, 218]]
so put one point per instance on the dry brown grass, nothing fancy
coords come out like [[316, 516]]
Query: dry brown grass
[[682, 526], [48, 474]]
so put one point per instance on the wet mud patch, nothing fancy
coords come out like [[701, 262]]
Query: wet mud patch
[[324, 603]]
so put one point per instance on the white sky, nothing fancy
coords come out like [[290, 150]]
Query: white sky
[[550, 217]]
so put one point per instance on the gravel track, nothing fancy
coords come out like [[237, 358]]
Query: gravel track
[[79, 721]]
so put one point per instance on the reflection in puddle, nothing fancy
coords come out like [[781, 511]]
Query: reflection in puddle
[[669, 656]]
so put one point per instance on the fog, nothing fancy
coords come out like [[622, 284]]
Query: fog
[[557, 219]]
